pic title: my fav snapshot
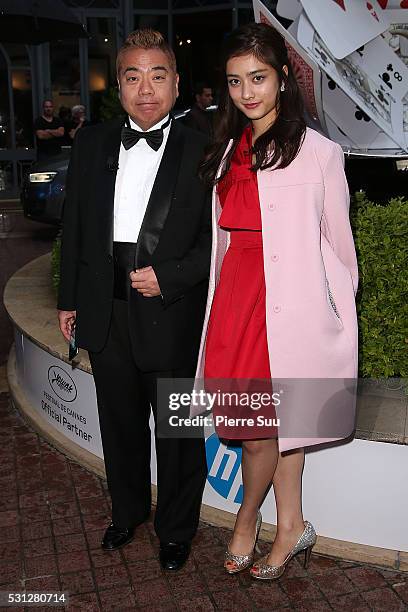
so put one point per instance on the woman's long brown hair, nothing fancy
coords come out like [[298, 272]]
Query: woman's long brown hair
[[280, 144]]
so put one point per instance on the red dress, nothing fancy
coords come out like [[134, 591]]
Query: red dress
[[236, 348]]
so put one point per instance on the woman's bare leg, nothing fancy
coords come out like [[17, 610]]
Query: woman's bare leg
[[259, 461], [287, 484]]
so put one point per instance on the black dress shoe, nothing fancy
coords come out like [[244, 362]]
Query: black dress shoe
[[116, 537], [173, 555]]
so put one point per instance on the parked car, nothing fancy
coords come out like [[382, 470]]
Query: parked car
[[43, 189]]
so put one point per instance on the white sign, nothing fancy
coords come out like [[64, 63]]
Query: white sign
[[63, 396]]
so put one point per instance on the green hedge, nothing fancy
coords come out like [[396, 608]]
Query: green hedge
[[381, 237]]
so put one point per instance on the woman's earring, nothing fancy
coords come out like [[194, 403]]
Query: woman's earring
[[282, 87]]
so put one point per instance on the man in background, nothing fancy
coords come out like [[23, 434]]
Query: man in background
[[49, 131], [199, 118], [78, 120]]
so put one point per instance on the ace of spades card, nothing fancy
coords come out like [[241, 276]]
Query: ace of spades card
[[374, 77]]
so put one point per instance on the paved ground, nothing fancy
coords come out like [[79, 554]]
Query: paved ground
[[53, 514]]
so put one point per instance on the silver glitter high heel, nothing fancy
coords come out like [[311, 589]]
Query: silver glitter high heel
[[243, 561], [271, 572]]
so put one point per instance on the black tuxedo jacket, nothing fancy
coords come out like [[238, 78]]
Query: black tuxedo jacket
[[175, 239]]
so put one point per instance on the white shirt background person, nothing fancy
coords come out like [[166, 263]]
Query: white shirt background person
[[138, 167]]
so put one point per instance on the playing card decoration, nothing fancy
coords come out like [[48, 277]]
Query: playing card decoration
[[351, 60]]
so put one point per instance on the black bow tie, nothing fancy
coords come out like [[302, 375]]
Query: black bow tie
[[154, 138]]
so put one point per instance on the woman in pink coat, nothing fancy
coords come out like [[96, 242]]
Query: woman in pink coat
[[282, 285]]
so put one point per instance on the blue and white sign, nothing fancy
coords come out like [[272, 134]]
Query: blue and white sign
[[224, 468]]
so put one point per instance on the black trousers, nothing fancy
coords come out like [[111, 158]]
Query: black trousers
[[125, 397]]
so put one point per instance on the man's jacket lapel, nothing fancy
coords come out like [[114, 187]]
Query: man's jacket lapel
[[109, 163], [161, 197]]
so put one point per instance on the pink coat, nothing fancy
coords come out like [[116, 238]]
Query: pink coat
[[311, 278]]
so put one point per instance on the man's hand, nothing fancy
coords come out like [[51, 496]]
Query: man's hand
[[145, 281], [43, 134], [66, 322], [58, 132]]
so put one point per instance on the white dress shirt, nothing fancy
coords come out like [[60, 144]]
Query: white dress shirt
[[135, 177]]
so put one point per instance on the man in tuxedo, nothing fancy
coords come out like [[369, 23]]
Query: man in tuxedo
[[134, 274]]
